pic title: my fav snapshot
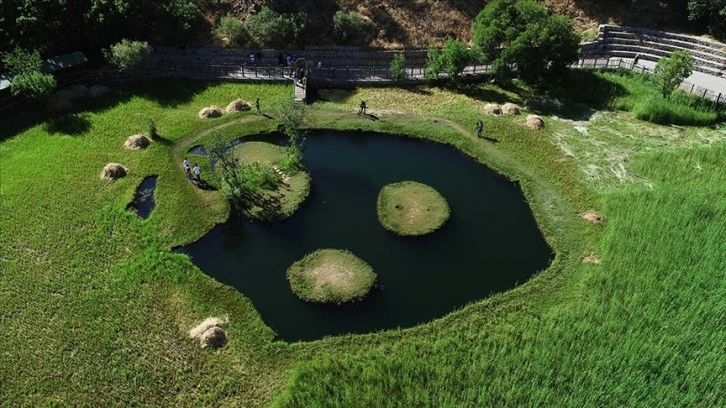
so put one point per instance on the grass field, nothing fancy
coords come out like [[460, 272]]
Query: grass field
[[96, 308]]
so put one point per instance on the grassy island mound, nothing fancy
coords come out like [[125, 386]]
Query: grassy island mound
[[279, 186], [331, 276], [409, 208]]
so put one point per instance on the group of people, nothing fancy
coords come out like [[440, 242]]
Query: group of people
[[193, 173]]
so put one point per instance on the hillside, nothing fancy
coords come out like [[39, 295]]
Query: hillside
[[419, 23]]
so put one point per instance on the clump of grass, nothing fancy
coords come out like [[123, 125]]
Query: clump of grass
[[331, 276], [409, 208]]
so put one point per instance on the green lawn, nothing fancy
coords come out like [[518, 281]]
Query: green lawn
[[96, 308]]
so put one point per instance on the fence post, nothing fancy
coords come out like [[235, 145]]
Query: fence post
[[704, 93], [692, 86], [411, 72], [594, 65], [642, 71], [718, 99]]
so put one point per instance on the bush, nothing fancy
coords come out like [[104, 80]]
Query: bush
[[398, 66], [128, 54], [27, 78], [231, 30], [272, 29], [351, 27]]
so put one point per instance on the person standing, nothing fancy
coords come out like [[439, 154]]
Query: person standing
[[479, 128], [362, 108], [197, 172], [257, 105], [187, 168]]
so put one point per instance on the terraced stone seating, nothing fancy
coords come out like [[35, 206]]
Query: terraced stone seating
[[627, 42]]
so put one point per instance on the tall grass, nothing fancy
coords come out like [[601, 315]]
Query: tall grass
[[627, 91]]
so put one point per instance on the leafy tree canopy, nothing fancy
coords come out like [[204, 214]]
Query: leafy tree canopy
[[272, 29], [526, 35], [671, 71], [452, 59], [710, 12]]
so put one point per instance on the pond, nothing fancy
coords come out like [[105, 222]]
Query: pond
[[490, 244], [143, 202]]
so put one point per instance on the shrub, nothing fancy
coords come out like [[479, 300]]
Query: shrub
[[272, 29], [398, 66], [351, 27], [27, 78], [231, 30], [128, 54], [672, 70]]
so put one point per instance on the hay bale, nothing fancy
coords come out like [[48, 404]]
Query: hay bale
[[210, 112], [593, 217], [535, 122], [57, 104], [492, 109], [137, 142], [98, 90], [210, 332], [78, 91], [238, 105], [510, 109], [113, 171], [213, 337], [591, 259]]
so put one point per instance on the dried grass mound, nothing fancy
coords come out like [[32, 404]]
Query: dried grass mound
[[492, 109], [238, 105], [593, 217], [535, 122], [210, 332], [98, 90], [591, 259], [113, 171], [137, 142], [210, 112], [510, 109]]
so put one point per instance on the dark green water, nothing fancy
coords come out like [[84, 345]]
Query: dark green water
[[490, 244]]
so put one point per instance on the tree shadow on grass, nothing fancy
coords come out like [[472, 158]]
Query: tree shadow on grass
[[72, 124]]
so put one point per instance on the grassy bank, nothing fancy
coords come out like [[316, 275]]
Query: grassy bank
[[96, 308]]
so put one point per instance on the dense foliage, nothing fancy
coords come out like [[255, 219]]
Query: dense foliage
[[27, 78], [89, 25], [128, 54], [672, 70], [710, 12], [453, 57], [350, 28], [524, 36], [272, 29], [231, 30]]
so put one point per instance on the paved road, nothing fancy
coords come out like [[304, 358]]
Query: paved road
[[714, 83]]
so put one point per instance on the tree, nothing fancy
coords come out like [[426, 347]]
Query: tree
[[525, 35], [712, 13], [128, 54], [272, 29], [451, 59], [672, 70], [231, 30], [351, 27], [27, 78], [398, 66]]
